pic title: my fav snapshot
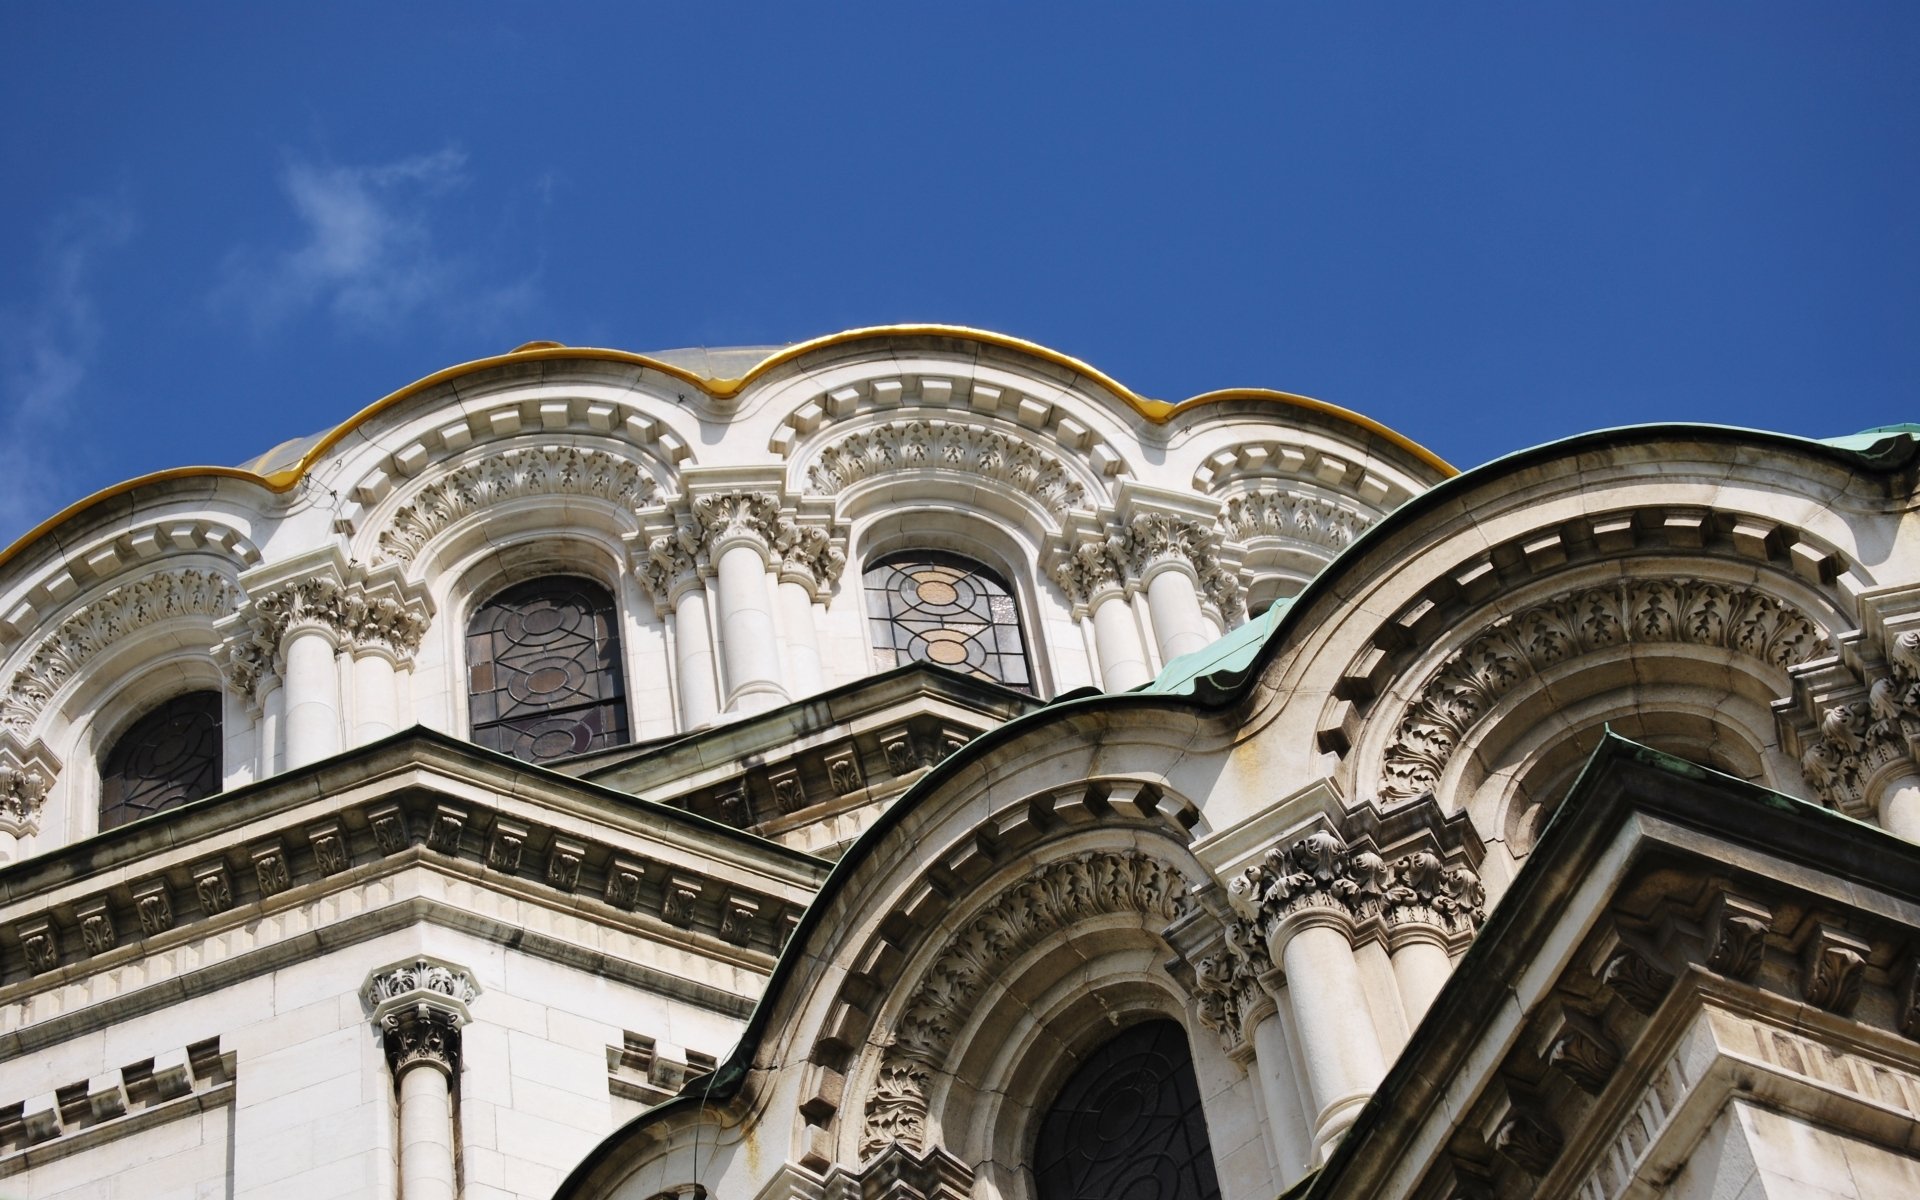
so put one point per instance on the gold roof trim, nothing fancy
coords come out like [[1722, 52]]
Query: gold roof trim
[[1158, 412]]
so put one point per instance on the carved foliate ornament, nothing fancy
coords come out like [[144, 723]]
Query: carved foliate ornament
[[1517, 648], [356, 616], [809, 554], [104, 621], [419, 1007], [1831, 969], [1737, 936], [530, 471], [1320, 872], [973, 450], [23, 793], [722, 517], [1279, 513], [1854, 740], [1053, 898]]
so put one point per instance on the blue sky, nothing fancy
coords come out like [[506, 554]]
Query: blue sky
[[1485, 225]]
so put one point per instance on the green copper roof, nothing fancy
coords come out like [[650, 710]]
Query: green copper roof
[[1218, 665]]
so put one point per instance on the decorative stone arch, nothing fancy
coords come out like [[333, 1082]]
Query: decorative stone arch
[[108, 662], [1051, 478], [504, 488]]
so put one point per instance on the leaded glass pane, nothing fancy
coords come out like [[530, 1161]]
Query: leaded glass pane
[[1128, 1125], [543, 670], [940, 608], [168, 757]]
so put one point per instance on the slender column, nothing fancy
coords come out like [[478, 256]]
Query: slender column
[[1421, 966], [693, 657], [420, 1007], [749, 641], [312, 686], [1273, 1063], [1123, 660], [374, 701], [1337, 1041], [273, 724], [802, 638], [1173, 597]]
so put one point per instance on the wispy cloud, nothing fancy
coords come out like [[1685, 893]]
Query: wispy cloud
[[367, 253], [47, 342]]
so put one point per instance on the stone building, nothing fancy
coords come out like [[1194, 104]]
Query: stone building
[[910, 764]]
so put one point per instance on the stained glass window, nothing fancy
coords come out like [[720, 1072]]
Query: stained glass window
[[168, 757], [940, 608], [543, 670], [1127, 1125]]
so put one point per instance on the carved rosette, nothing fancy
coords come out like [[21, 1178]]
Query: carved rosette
[[1279, 513], [1519, 647], [99, 624], [419, 1007], [1053, 898], [973, 450], [530, 471]]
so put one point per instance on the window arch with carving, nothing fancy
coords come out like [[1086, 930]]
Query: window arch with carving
[[165, 759], [931, 606], [543, 670], [1128, 1122]]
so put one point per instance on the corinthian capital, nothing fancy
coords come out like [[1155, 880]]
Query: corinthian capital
[[808, 552], [724, 517], [363, 610], [420, 1006], [26, 773]]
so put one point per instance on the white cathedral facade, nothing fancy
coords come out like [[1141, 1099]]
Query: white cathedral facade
[[909, 765]]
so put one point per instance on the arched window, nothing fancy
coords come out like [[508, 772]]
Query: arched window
[[168, 757], [941, 608], [1128, 1124], [543, 670]]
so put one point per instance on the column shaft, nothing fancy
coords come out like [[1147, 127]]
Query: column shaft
[[1178, 621], [1337, 1041], [1123, 660], [693, 658], [312, 686], [374, 708], [749, 642], [803, 640], [1274, 1065], [1900, 807], [426, 1135], [1421, 965]]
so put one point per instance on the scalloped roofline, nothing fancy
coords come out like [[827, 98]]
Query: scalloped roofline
[[1157, 412]]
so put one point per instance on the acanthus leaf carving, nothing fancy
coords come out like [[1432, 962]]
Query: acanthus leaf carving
[[939, 445], [1648, 611], [102, 622], [1276, 512], [508, 475], [1054, 897]]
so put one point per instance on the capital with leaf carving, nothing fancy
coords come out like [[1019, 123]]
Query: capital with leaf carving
[[420, 1006]]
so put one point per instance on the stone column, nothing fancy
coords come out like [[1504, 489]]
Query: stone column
[[810, 561], [1323, 991], [311, 682], [420, 1007], [374, 708], [1172, 557], [671, 574], [387, 622], [1092, 578], [1900, 806], [737, 532], [1421, 966]]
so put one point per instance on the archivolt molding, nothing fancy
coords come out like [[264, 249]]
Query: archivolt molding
[[508, 475], [1274, 511], [1514, 649], [936, 444], [1276, 460], [1051, 899], [97, 625], [91, 564]]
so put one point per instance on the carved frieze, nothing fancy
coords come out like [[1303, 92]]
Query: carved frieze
[[973, 450], [1517, 648], [1276, 512], [1054, 897], [508, 475], [101, 623]]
